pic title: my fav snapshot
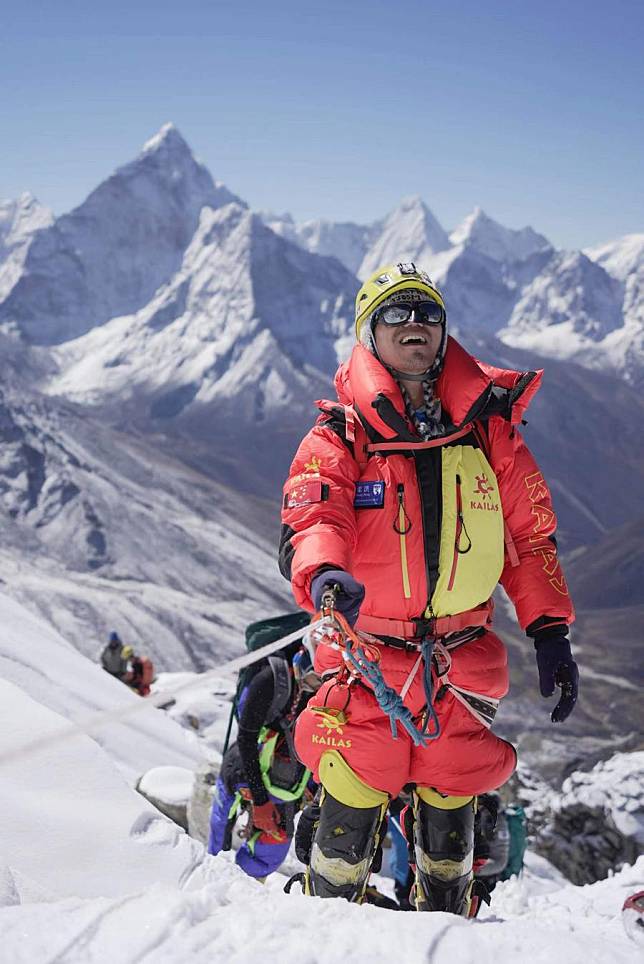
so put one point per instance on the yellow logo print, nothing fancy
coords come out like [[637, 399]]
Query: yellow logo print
[[331, 725], [314, 465]]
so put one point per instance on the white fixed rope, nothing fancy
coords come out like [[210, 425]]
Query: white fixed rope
[[92, 724]]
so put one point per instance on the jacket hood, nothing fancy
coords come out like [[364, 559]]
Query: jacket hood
[[467, 388]]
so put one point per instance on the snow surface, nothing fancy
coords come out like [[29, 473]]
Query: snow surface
[[171, 784], [91, 872], [36, 658]]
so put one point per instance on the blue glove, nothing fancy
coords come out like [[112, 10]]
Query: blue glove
[[349, 595], [557, 668]]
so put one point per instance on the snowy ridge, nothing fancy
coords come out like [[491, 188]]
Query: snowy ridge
[[493, 240], [586, 306], [113, 255]]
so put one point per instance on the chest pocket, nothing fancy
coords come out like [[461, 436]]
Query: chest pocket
[[471, 550]]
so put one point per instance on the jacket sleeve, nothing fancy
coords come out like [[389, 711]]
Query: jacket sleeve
[[318, 517], [532, 575], [252, 719]]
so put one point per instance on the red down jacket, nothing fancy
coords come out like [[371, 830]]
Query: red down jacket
[[430, 529]]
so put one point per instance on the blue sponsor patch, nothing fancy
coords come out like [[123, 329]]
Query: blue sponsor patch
[[369, 495]]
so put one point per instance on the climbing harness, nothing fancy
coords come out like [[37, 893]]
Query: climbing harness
[[362, 660]]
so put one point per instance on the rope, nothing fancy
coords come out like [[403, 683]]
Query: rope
[[389, 701], [89, 725], [427, 649]]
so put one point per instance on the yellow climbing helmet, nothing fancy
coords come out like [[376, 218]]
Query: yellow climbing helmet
[[385, 282], [127, 652]]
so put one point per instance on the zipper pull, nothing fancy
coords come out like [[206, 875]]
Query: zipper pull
[[402, 522], [459, 516]]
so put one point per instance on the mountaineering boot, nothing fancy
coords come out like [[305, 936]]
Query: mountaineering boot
[[347, 833], [444, 847], [343, 848]]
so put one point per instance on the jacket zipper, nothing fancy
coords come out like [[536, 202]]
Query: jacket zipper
[[460, 528], [402, 525], [428, 481]]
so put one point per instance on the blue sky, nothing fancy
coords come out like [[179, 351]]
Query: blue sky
[[333, 109]]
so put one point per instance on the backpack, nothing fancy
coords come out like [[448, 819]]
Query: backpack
[[517, 825], [259, 634]]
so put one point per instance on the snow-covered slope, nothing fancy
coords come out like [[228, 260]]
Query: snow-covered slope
[[108, 256], [101, 531], [38, 660], [91, 872]]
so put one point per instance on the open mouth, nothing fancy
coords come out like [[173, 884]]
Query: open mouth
[[413, 340]]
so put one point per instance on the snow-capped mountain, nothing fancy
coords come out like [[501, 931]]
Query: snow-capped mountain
[[109, 255], [490, 238], [624, 260], [247, 329], [409, 233], [585, 306], [572, 304], [345, 241], [19, 221]]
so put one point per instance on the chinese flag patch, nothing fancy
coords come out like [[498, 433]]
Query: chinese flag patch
[[304, 493]]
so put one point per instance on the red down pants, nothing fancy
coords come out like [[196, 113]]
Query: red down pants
[[467, 758]]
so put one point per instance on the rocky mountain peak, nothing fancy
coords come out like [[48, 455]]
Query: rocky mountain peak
[[109, 255], [19, 219], [409, 233], [167, 138], [506, 245]]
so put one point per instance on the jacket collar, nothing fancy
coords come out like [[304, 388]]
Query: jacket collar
[[465, 386]]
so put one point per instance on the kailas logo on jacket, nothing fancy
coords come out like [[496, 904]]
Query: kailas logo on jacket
[[483, 487], [483, 495]]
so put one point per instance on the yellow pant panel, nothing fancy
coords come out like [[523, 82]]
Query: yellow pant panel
[[344, 785], [435, 799]]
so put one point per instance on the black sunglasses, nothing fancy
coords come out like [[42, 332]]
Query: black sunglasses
[[424, 312]]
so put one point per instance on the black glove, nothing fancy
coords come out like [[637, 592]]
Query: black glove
[[349, 596], [557, 667]]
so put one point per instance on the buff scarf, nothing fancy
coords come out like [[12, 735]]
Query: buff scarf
[[427, 421]]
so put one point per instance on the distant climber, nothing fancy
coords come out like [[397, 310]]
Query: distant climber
[[121, 661], [112, 658]]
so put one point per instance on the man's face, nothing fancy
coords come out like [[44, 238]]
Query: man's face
[[411, 347]]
